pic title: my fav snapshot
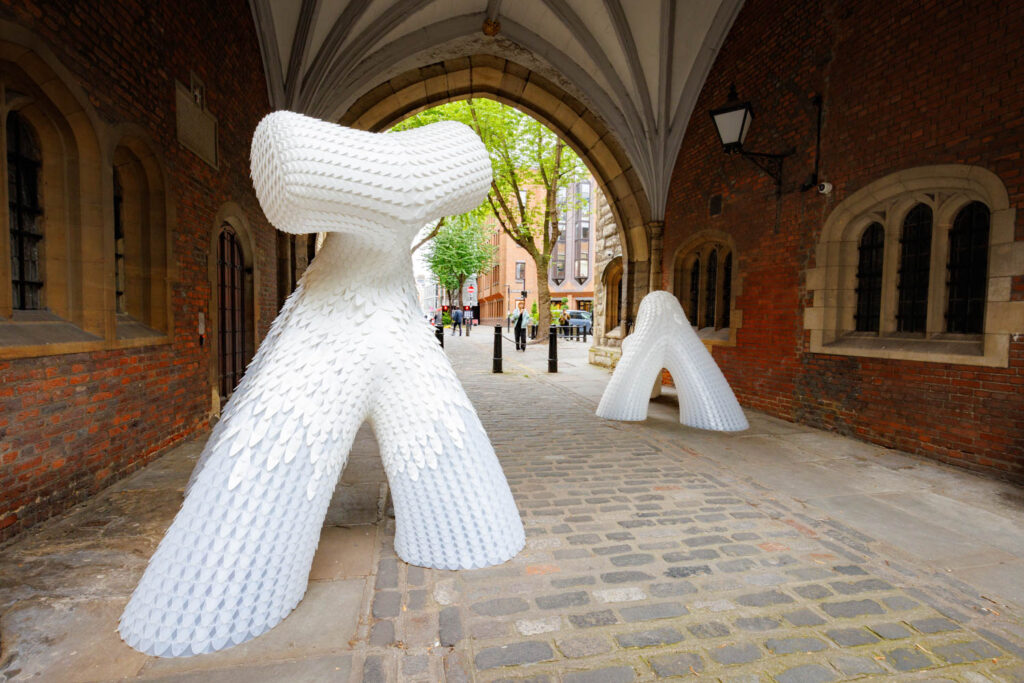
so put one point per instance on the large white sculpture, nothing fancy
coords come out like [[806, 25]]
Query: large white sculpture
[[663, 338], [348, 346]]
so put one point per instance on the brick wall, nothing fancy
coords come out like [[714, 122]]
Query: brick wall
[[71, 424], [905, 84]]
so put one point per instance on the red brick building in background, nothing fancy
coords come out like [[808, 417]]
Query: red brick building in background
[[136, 120], [922, 123]]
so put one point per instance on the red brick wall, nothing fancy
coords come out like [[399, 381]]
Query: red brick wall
[[72, 424], [905, 84]]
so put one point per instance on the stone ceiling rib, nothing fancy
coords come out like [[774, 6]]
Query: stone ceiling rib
[[331, 45], [493, 8], [307, 18], [590, 44], [625, 36]]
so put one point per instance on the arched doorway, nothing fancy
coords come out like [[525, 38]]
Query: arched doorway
[[505, 81], [231, 308]]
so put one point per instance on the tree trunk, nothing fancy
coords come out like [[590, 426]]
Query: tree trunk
[[543, 305]]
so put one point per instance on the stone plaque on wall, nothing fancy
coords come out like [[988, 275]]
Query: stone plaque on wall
[[197, 128]]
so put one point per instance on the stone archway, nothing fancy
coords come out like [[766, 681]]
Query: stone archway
[[497, 78]]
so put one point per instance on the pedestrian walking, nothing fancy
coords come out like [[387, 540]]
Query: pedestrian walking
[[457, 320], [520, 321]]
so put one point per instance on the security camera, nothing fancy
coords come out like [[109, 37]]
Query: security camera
[[824, 188]]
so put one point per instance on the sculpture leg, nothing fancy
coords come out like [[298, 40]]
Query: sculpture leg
[[705, 399], [632, 385], [453, 505], [236, 559]]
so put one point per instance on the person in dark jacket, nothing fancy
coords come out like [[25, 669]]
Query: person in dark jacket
[[456, 320]]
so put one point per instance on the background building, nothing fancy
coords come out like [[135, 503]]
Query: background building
[[570, 274], [572, 260]]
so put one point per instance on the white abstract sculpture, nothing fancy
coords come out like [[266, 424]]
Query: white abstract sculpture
[[663, 338], [348, 346]]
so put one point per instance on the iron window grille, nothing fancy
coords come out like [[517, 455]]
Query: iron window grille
[[712, 287], [968, 270], [915, 263], [23, 164], [869, 278], [119, 272], [726, 290], [694, 291], [231, 311]]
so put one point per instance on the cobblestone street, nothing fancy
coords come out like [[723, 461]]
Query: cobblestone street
[[645, 559]]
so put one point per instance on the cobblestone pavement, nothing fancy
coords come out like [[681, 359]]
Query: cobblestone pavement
[[644, 560]]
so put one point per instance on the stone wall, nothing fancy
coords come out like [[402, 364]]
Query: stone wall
[[905, 86], [73, 422], [607, 247]]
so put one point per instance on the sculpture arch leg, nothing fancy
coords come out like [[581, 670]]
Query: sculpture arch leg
[[632, 385], [236, 560], [664, 339], [453, 505]]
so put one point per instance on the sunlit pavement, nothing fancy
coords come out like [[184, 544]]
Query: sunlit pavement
[[653, 550]]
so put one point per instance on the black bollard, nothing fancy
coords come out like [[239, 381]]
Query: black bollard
[[553, 350], [496, 366], [439, 333], [584, 335]]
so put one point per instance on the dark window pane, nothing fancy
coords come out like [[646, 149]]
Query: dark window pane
[[869, 278], [968, 270], [119, 274], [231, 311], [712, 289], [694, 291], [25, 226], [726, 289], [915, 263]]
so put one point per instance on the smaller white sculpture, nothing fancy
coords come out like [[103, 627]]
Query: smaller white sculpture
[[663, 338]]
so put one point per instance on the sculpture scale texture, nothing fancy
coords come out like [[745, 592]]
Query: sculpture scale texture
[[348, 346], [663, 338]]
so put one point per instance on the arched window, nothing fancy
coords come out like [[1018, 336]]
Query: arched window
[[869, 278], [968, 269], [694, 308], [703, 284], [613, 295], [23, 164], [231, 310], [945, 265], [712, 290], [915, 265], [119, 273]]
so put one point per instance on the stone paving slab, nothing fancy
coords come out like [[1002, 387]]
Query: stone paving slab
[[644, 560]]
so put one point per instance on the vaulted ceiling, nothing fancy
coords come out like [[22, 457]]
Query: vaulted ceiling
[[638, 65]]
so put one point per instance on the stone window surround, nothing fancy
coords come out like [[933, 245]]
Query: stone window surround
[[77, 200], [703, 243], [832, 282]]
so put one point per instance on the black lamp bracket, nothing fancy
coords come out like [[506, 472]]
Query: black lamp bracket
[[769, 163]]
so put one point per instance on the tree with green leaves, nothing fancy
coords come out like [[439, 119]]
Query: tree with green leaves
[[461, 248], [525, 156]]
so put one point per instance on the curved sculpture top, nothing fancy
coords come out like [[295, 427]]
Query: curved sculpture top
[[348, 346], [663, 338], [315, 176]]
